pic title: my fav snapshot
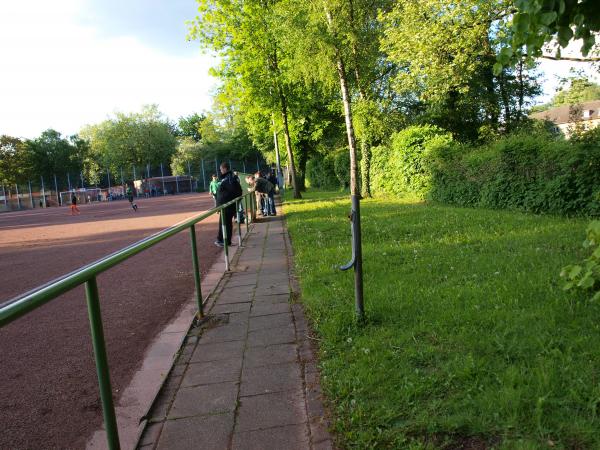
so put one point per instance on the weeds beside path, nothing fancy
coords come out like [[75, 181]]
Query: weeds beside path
[[470, 340]]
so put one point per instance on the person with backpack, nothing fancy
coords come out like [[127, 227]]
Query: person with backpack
[[229, 189]]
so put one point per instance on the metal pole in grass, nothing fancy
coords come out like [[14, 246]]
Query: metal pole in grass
[[203, 175], [196, 271], [225, 246], [30, 194], [108, 409], [56, 189], [43, 192]]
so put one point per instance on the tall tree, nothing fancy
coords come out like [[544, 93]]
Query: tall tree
[[242, 34]]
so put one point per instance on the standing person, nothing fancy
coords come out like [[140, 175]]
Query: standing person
[[213, 187], [259, 184], [74, 208], [273, 178], [229, 189], [130, 198]]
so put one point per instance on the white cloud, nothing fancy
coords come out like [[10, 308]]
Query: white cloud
[[59, 74]]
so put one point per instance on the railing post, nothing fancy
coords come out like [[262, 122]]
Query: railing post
[[225, 246], [246, 212], [237, 211], [196, 271], [108, 408]]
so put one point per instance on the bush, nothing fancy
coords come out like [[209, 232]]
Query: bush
[[341, 164], [320, 173], [585, 277], [404, 167], [528, 172], [532, 170]]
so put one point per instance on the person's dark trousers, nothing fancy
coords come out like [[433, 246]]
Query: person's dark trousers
[[271, 203], [228, 213]]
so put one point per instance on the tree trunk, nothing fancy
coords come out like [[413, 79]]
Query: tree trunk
[[288, 145], [354, 188], [505, 101]]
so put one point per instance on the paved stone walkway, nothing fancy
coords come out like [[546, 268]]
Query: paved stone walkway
[[246, 377]]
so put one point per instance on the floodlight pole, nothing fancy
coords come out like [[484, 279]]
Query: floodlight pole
[[277, 157], [137, 194], [216, 166], [4, 195], [108, 178], [163, 179], [190, 175], [203, 174], [82, 183], [69, 181]]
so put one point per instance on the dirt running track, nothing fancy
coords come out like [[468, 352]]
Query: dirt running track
[[48, 386]]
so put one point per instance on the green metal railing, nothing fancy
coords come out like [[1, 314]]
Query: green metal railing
[[15, 308]]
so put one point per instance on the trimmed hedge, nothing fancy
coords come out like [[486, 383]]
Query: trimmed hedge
[[533, 172]]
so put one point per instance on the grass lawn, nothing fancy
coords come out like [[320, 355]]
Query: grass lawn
[[470, 341]]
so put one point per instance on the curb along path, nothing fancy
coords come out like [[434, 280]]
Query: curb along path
[[246, 377]]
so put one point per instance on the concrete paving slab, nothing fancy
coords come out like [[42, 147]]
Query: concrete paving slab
[[193, 433], [271, 336], [225, 333], [203, 400], [273, 354], [265, 309], [271, 378], [212, 372], [218, 351], [271, 410], [291, 437], [272, 321]]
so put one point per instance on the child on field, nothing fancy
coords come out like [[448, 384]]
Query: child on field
[[213, 188], [130, 198], [74, 208]]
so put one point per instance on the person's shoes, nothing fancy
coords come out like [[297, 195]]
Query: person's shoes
[[219, 244]]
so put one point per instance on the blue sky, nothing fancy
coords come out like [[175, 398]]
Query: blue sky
[[68, 63], [158, 23], [75, 62]]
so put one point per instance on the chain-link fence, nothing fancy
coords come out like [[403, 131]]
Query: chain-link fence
[[149, 180]]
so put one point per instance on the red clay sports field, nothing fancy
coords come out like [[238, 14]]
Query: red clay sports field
[[49, 390]]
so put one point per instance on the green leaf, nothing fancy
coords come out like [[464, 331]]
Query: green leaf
[[564, 35], [548, 18], [497, 69], [587, 281]]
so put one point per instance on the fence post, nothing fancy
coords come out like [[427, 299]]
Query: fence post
[[246, 212], [30, 194], [137, 192], [225, 246], [56, 188], [197, 281], [43, 192], [18, 198], [237, 212], [108, 409], [162, 175]]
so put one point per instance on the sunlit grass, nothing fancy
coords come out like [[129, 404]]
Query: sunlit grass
[[470, 338]]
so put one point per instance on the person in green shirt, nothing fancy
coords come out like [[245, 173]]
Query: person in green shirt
[[214, 186]]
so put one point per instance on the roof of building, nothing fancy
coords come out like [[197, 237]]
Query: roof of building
[[564, 114]]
